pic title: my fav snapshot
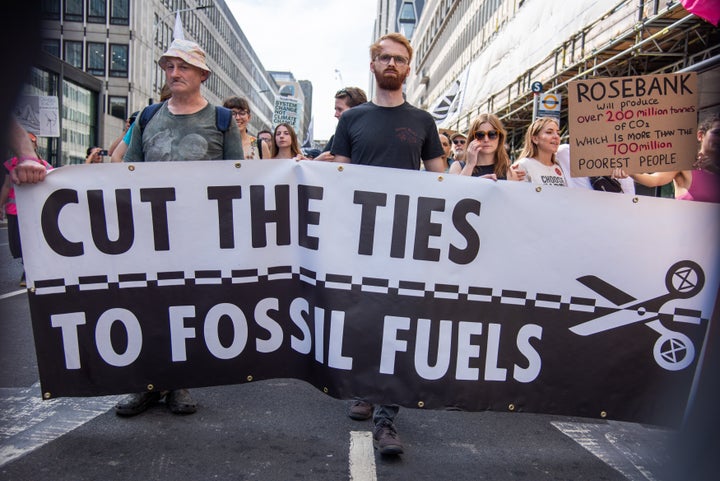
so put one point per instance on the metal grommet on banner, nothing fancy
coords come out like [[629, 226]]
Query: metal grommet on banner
[[238, 165], [47, 395], [326, 390], [340, 168], [131, 168], [636, 200], [150, 387], [538, 189], [421, 404], [511, 407], [603, 414], [440, 178], [249, 378], [32, 289]]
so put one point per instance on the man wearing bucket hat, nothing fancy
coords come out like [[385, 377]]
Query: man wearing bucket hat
[[185, 127]]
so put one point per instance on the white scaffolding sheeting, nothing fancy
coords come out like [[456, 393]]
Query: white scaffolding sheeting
[[538, 29]]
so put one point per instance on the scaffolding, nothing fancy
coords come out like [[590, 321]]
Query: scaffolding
[[633, 38]]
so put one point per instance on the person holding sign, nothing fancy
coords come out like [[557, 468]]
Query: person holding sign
[[537, 159], [486, 156], [7, 202], [186, 127], [286, 145], [703, 183], [387, 132]]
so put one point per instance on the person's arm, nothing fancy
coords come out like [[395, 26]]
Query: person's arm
[[432, 165], [341, 159], [114, 145], [656, 179], [266, 154], [29, 169], [4, 192], [120, 150], [326, 156]]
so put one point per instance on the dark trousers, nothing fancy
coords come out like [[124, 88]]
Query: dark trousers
[[14, 236]]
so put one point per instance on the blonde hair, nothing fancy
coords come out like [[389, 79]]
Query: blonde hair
[[395, 37], [502, 159], [530, 149]]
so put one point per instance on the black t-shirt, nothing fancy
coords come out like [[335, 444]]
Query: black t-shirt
[[481, 170], [329, 144], [387, 136]]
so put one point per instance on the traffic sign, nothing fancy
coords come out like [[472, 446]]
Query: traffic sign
[[549, 105], [537, 87]]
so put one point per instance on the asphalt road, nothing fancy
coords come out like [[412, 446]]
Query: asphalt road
[[285, 429]]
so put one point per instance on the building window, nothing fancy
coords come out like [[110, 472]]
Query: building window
[[407, 19], [51, 46], [96, 58], [118, 60], [120, 12], [96, 10], [73, 10], [117, 106], [50, 9], [74, 53]]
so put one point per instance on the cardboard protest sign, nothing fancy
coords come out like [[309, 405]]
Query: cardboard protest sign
[[644, 123]]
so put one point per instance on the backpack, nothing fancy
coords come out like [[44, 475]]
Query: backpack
[[605, 183], [223, 116]]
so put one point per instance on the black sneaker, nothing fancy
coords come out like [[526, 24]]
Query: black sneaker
[[388, 441], [180, 402], [360, 410], [136, 403]]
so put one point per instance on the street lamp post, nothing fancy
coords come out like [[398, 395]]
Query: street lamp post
[[162, 19]]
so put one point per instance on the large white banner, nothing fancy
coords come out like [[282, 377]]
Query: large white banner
[[410, 287]]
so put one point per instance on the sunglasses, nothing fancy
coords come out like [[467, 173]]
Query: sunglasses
[[491, 135], [342, 93], [459, 141]]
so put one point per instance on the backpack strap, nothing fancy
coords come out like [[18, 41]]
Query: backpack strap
[[222, 116], [259, 146], [147, 114]]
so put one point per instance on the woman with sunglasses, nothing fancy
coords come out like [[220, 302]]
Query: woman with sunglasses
[[537, 158], [486, 155]]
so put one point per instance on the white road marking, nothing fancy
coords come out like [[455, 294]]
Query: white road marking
[[27, 422], [637, 452], [362, 456], [14, 293]]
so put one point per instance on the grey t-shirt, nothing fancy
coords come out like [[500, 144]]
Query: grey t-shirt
[[169, 137]]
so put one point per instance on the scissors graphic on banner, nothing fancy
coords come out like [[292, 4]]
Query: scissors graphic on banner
[[673, 350]]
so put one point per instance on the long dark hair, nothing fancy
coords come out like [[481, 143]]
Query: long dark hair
[[502, 159], [294, 146]]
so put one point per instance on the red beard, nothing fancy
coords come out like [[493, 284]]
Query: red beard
[[388, 82]]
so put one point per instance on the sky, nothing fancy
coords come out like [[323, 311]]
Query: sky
[[312, 39]]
